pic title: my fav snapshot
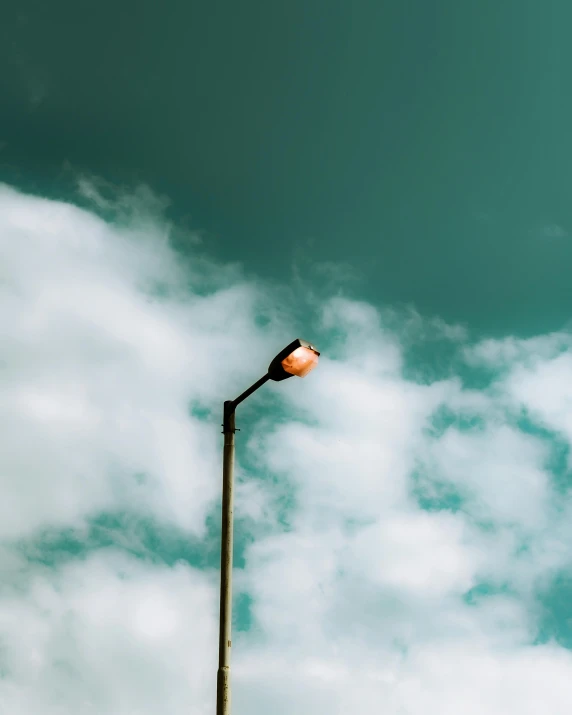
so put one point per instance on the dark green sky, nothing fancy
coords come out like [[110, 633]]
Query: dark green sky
[[428, 144]]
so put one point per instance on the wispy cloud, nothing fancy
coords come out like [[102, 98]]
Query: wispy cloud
[[553, 230]]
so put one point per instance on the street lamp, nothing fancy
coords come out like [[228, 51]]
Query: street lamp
[[298, 358]]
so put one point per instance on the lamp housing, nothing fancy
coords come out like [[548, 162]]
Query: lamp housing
[[298, 358]]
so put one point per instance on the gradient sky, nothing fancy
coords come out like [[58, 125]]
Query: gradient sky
[[186, 187], [425, 144]]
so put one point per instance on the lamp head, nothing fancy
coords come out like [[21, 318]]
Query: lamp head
[[298, 358]]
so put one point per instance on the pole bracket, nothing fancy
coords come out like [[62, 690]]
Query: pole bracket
[[228, 417]]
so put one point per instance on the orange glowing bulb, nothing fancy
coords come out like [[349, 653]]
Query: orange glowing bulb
[[300, 362]]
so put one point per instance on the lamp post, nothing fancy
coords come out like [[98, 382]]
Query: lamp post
[[298, 358]]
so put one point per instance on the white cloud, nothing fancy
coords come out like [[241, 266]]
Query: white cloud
[[418, 553], [499, 471], [546, 391], [99, 367], [505, 352], [109, 634], [360, 599]]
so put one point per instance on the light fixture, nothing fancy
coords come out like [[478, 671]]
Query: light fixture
[[297, 359]]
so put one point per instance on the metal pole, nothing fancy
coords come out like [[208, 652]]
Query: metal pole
[[223, 692]]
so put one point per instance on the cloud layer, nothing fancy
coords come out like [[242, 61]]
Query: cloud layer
[[396, 535]]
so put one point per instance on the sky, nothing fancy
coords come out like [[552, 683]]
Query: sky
[[184, 189]]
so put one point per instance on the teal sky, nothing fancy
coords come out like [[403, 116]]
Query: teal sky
[[391, 180], [427, 145]]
